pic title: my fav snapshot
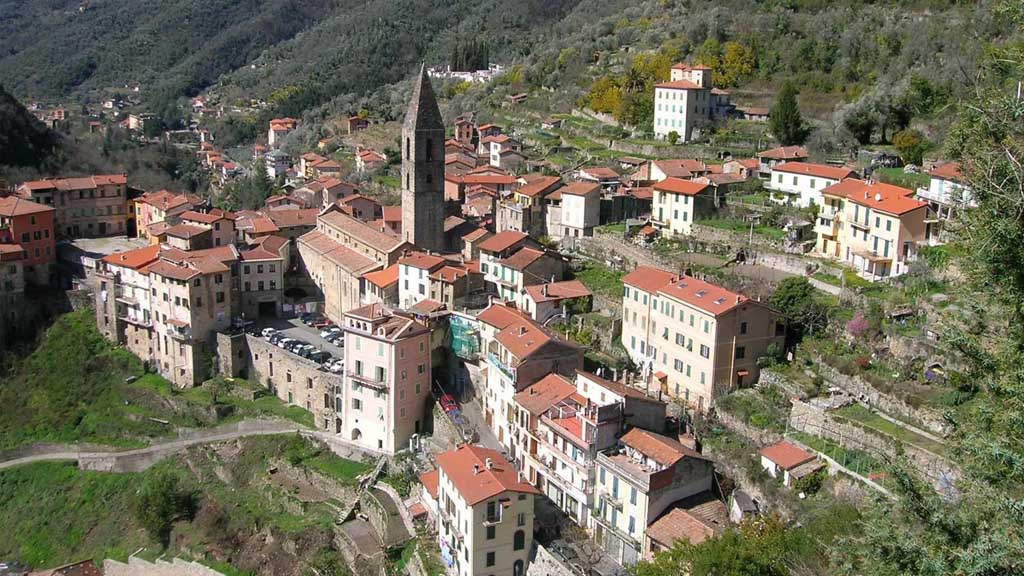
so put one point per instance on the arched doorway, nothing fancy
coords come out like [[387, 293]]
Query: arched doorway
[[356, 434], [517, 568]]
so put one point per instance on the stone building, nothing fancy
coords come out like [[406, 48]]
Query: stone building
[[423, 169]]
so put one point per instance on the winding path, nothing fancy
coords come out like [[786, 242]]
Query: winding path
[[160, 450]]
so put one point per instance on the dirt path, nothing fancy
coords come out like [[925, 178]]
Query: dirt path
[[161, 450]]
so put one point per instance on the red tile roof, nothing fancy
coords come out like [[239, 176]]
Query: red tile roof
[[557, 291], [677, 186], [877, 196], [383, 278], [426, 306], [392, 213], [481, 483], [16, 206], [661, 449], [538, 397], [579, 188], [676, 525], [784, 153], [948, 171], [679, 85], [522, 258], [502, 241], [601, 172], [786, 455], [681, 167], [703, 295], [648, 279], [817, 170], [429, 481], [539, 186], [422, 261], [134, 259], [293, 218], [210, 218]]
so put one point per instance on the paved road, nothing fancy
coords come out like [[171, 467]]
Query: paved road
[[62, 453]]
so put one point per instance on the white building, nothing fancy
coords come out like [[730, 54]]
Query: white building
[[683, 104], [414, 277], [485, 514], [800, 183], [581, 208], [947, 191]]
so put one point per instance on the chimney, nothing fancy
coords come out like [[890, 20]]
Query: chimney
[[489, 463], [522, 330], [737, 298], [476, 469], [544, 290]]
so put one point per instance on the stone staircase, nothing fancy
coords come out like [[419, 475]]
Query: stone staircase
[[159, 567]]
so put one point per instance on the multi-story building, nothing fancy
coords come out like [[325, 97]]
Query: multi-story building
[[124, 311], [221, 225], [561, 425], [414, 273], [800, 183], [544, 301], [526, 210], [581, 209], [947, 192], [485, 514], [876, 228], [261, 279], [161, 206], [768, 159], [89, 207], [687, 102], [387, 378], [524, 267], [518, 352], [29, 225], [677, 203], [279, 128], [638, 480], [695, 341]]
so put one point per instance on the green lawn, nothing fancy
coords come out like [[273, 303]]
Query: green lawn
[[601, 280], [897, 177], [851, 278], [77, 387], [863, 415], [737, 225], [612, 229]]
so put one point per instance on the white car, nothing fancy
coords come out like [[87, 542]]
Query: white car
[[268, 332], [329, 332], [337, 366], [285, 342]]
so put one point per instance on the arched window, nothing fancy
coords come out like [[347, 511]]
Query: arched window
[[517, 568], [519, 540], [408, 146]]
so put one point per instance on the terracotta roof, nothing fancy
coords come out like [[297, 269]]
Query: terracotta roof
[[15, 251], [784, 153], [426, 306], [501, 316], [641, 192], [134, 259], [430, 481], [679, 85], [479, 484], [450, 273], [257, 254], [679, 524], [502, 241], [186, 231], [601, 172], [388, 324], [422, 260], [261, 225], [210, 218], [172, 270], [85, 183], [557, 291], [786, 455], [678, 186], [392, 213], [579, 188], [817, 170], [722, 179], [877, 196], [538, 397], [523, 338], [271, 243], [383, 278], [361, 231], [522, 258], [708, 297], [539, 186], [341, 255], [661, 449], [476, 234], [499, 179], [648, 279], [292, 218], [680, 167], [16, 206], [685, 66], [749, 163], [165, 200], [947, 171]]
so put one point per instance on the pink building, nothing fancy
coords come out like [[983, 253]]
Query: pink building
[[387, 378]]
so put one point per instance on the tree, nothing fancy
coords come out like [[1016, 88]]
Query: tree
[[785, 121], [160, 501], [673, 137], [797, 302], [911, 146], [737, 62]]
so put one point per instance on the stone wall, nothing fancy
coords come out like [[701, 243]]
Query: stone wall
[[139, 567], [446, 433], [857, 387], [755, 435], [769, 377], [811, 420], [294, 380], [545, 563]]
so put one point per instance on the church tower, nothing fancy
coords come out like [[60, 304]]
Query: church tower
[[423, 207]]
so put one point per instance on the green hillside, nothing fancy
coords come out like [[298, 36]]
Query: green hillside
[[24, 141]]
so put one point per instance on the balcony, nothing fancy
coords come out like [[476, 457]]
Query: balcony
[[132, 319], [852, 221], [179, 330], [492, 519], [509, 373], [610, 501], [368, 381]]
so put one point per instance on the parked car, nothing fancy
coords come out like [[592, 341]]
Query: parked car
[[275, 338], [322, 323], [311, 319], [330, 330], [268, 332], [285, 342], [294, 345], [448, 403], [320, 356], [337, 366]]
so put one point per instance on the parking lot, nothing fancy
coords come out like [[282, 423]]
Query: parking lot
[[294, 328]]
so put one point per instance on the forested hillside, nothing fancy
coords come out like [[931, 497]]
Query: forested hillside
[[24, 141]]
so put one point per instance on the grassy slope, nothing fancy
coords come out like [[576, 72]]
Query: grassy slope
[[73, 388], [54, 513]]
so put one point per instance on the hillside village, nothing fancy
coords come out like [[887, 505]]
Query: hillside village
[[589, 347]]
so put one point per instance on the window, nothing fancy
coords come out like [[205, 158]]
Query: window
[[519, 540], [357, 404], [490, 559], [743, 327], [632, 496], [680, 339], [220, 297], [705, 351], [421, 368], [491, 530], [741, 352], [632, 525]]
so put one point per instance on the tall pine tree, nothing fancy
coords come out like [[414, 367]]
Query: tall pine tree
[[786, 123]]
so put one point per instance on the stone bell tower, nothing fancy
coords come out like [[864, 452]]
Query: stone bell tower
[[423, 206]]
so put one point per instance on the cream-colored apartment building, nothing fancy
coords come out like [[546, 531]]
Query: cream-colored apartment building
[[485, 514], [692, 339], [387, 378], [677, 203], [89, 207], [876, 228]]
